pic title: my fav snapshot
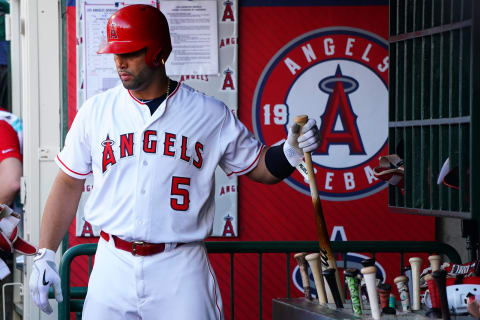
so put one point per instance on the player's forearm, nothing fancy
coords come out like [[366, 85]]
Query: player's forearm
[[261, 172], [59, 210]]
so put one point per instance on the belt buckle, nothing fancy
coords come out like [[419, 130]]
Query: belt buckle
[[134, 244]]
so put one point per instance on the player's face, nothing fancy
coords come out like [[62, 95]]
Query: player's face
[[134, 72]]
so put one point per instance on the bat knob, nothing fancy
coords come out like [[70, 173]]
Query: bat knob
[[351, 272], [301, 119], [368, 262]]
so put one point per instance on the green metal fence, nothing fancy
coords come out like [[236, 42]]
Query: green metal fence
[[73, 297], [434, 87]]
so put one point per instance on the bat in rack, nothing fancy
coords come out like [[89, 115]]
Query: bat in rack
[[326, 254]]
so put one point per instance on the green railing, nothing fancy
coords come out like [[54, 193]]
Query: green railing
[[73, 297]]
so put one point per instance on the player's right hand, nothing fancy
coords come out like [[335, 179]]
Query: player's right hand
[[44, 274]]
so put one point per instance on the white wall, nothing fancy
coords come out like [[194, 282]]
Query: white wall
[[36, 91]]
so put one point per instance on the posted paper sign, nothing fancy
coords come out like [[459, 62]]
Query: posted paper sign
[[193, 30]]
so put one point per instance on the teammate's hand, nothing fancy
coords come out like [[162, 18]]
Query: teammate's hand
[[473, 307], [44, 274], [297, 144]]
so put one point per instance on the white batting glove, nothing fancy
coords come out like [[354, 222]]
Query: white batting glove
[[297, 144], [44, 274]]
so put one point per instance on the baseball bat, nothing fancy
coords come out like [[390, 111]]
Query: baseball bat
[[440, 280], [384, 290], [353, 286], [329, 275], [407, 271], [302, 264], [415, 263], [313, 260], [434, 312], [326, 252], [435, 261], [402, 286], [369, 274]]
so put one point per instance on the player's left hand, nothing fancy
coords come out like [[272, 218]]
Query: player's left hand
[[44, 274], [297, 144]]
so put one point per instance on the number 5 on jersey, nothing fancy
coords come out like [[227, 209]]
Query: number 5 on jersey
[[181, 200]]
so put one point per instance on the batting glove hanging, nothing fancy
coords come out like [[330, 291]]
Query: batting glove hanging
[[44, 274], [297, 144]]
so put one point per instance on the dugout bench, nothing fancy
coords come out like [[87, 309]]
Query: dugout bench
[[73, 297]]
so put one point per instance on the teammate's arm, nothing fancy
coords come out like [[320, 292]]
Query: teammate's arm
[[60, 209], [10, 173], [278, 162], [10, 163]]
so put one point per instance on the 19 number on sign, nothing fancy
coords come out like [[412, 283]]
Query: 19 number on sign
[[279, 114]]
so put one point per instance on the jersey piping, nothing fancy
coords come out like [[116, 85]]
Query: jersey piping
[[215, 283], [65, 166], [247, 168], [170, 95]]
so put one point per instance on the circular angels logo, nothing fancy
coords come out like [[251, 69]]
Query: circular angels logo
[[337, 76]]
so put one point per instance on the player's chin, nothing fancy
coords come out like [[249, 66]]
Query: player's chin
[[129, 85]]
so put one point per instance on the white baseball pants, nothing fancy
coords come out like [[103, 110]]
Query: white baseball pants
[[176, 284]]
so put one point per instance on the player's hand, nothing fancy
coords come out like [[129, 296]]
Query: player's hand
[[44, 274], [297, 144]]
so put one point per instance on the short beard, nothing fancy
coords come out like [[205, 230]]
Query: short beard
[[140, 81]]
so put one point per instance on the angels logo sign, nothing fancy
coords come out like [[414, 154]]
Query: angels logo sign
[[337, 76]]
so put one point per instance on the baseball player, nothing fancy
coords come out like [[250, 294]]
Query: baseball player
[[152, 146]]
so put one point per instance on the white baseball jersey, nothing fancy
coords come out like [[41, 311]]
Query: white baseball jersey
[[154, 174]]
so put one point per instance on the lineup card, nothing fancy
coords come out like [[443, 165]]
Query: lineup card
[[193, 31], [204, 39]]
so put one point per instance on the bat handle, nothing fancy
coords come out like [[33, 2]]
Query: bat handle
[[301, 121], [439, 276], [352, 283], [402, 286], [434, 312], [384, 290], [435, 261], [416, 263], [332, 283], [315, 265], [302, 265], [369, 274]]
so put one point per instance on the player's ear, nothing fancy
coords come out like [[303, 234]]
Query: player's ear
[[158, 60]]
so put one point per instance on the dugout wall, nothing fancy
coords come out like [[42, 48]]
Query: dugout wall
[[434, 109], [36, 57]]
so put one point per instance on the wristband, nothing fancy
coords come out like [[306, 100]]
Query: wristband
[[277, 163]]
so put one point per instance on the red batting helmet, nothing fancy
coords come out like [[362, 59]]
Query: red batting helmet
[[139, 26]]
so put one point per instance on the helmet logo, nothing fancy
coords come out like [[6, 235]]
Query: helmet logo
[[113, 31]]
